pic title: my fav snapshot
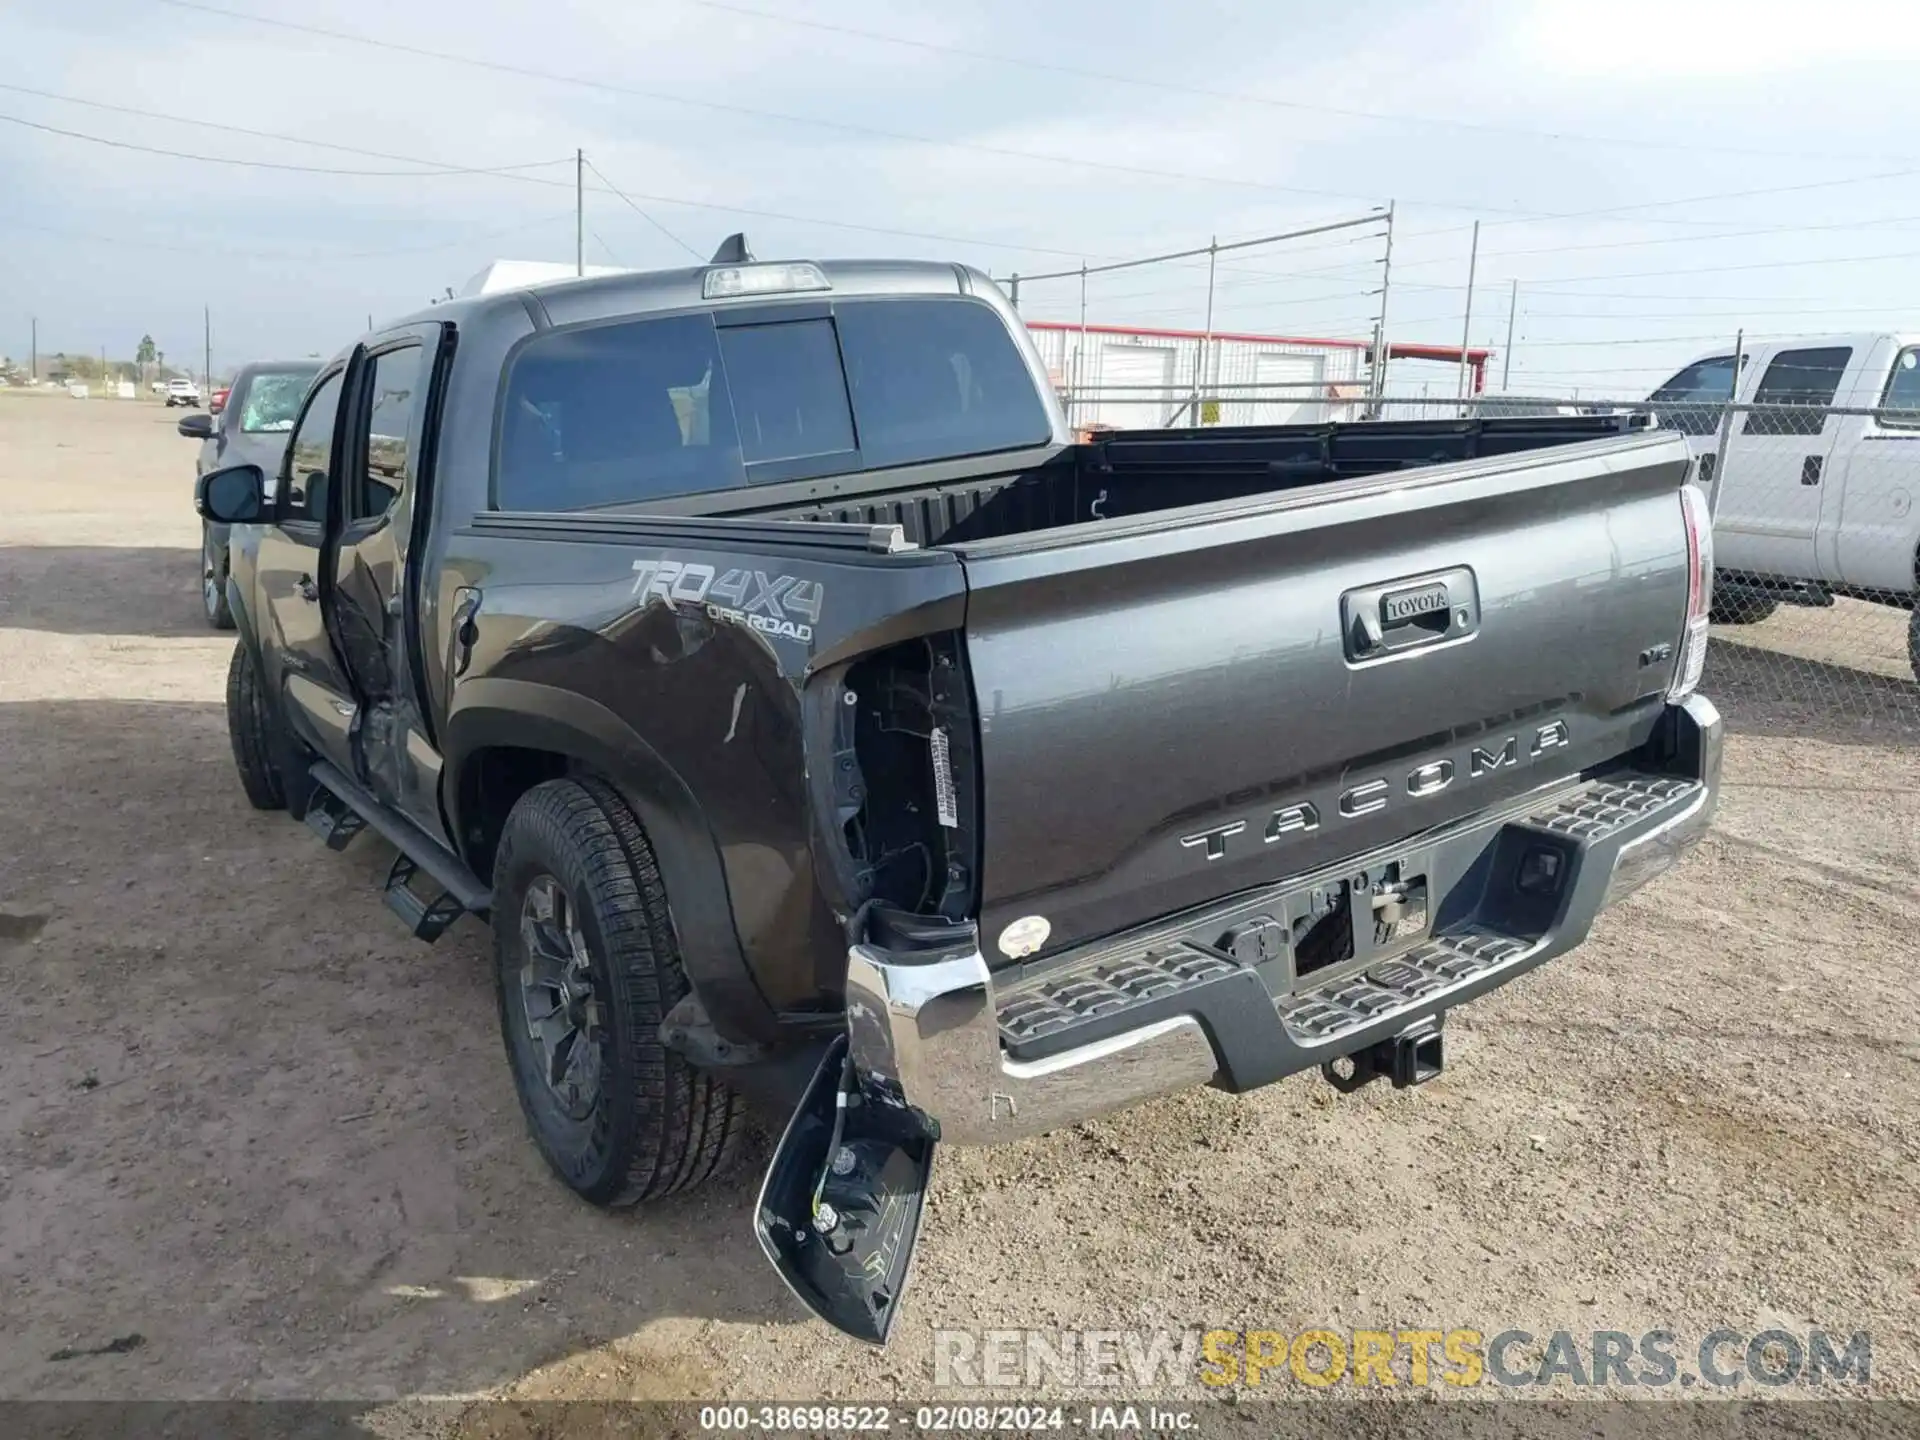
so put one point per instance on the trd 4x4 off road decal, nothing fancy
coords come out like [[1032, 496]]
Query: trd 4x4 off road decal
[[768, 604]]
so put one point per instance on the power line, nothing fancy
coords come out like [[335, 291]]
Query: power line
[[268, 164], [554, 184], [1337, 270], [1686, 314], [1609, 211], [1002, 152], [847, 127], [1242, 97], [603, 245], [728, 108], [643, 214], [1683, 239], [273, 135], [1699, 270], [140, 242]]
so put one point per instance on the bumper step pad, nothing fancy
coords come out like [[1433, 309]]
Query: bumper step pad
[[1397, 984], [1085, 995], [1098, 998], [1601, 809]]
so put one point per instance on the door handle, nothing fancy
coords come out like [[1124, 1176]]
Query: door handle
[[308, 590], [465, 631], [1382, 620], [1810, 469]]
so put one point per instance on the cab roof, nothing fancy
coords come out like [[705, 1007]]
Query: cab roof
[[571, 299]]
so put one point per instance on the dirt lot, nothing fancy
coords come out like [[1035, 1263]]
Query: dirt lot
[[247, 1119]]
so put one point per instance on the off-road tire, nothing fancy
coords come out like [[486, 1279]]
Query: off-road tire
[[658, 1125], [1741, 609], [213, 582], [251, 729]]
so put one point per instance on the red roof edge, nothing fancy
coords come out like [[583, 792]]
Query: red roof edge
[[1319, 340]]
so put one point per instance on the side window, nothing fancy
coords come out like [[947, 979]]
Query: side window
[[1803, 378], [310, 459], [1900, 404], [616, 415], [395, 383], [1691, 401]]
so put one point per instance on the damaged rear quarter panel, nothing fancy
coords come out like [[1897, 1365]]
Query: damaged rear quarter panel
[[701, 656]]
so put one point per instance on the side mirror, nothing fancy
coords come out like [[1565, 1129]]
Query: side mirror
[[197, 426], [233, 496]]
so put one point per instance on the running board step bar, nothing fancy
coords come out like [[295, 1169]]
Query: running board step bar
[[427, 919], [346, 808], [333, 820]]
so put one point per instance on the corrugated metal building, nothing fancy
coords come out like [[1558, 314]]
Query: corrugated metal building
[[1139, 378]]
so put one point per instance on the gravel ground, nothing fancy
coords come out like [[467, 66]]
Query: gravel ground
[[244, 1117]]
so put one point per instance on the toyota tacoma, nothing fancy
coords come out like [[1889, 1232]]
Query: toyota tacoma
[[811, 717]]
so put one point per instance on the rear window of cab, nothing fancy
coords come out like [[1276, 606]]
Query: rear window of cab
[[636, 410]]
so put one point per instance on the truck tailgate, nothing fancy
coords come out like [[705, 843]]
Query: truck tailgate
[[1179, 707]]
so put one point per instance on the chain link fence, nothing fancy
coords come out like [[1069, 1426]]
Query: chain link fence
[[1816, 537]]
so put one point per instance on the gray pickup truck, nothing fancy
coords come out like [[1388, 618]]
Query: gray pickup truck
[[811, 717]]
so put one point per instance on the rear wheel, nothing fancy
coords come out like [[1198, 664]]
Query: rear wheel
[[1913, 639], [251, 729], [213, 580], [586, 969]]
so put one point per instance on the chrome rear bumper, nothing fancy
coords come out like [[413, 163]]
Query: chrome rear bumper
[[931, 1032], [925, 1025]]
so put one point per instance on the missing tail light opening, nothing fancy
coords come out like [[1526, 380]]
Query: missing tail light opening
[[909, 816]]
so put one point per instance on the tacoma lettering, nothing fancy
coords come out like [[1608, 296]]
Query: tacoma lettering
[[1373, 795]]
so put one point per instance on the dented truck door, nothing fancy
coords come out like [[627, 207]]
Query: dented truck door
[[374, 571]]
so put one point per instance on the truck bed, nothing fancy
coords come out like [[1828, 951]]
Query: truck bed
[[1171, 704], [1141, 472]]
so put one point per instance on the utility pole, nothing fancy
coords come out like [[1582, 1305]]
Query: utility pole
[[1080, 351], [1506, 360], [1379, 378], [1466, 322], [1013, 294], [206, 314], [579, 212], [33, 352], [1725, 438], [1206, 345]]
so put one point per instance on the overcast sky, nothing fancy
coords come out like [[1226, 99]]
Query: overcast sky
[[1568, 127]]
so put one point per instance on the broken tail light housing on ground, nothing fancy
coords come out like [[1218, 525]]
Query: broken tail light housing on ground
[[731, 280], [1693, 641]]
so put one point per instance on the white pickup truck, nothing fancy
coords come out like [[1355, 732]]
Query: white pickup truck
[[1816, 504], [181, 391]]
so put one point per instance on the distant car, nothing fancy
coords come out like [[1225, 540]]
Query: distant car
[[218, 400], [182, 392], [159, 387], [251, 429]]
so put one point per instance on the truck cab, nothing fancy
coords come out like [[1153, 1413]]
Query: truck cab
[[1815, 495]]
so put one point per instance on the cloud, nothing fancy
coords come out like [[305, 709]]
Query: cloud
[[128, 243], [1653, 42]]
